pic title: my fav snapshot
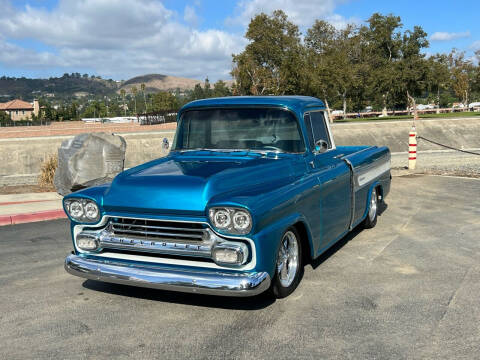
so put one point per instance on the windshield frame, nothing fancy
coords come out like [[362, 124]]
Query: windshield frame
[[233, 107]]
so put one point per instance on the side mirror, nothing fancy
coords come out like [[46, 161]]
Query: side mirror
[[321, 146], [165, 144]]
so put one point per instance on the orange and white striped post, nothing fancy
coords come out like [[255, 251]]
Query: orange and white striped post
[[412, 148]]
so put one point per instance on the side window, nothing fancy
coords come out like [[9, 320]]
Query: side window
[[319, 128], [308, 126]]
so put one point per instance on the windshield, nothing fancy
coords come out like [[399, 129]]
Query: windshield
[[261, 129]]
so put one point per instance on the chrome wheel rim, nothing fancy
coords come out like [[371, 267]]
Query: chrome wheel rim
[[287, 259], [372, 212]]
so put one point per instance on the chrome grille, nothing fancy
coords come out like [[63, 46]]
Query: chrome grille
[[158, 229]]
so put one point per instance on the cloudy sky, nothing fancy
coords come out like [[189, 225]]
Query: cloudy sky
[[120, 39]]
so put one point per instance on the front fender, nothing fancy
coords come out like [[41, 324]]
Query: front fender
[[267, 240]]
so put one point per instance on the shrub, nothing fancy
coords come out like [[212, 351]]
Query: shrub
[[47, 171]]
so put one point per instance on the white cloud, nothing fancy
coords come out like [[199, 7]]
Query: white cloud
[[475, 45], [448, 36], [301, 12], [125, 38], [116, 38], [11, 53], [190, 16]]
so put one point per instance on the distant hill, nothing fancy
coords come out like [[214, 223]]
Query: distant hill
[[75, 85], [158, 82], [67, 86]]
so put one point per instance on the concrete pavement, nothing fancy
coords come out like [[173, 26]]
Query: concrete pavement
[[407, 289], [21, 208]]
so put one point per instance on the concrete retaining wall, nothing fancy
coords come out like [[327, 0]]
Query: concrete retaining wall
[[463, 133], [22, 156], [25, 155]]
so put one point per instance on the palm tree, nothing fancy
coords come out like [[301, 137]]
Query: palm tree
[[144, 97], [134, 92], [123, 92]]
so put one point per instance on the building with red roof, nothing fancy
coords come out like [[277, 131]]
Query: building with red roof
[[20, 110]]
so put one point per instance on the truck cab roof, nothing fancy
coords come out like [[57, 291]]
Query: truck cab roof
[[295, 103]]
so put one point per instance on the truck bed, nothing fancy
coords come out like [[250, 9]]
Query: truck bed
[[369, 165]]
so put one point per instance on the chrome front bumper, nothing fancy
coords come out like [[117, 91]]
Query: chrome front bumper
[[211, 283]]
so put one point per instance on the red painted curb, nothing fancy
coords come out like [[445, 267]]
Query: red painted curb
[[24, 202], [32, 217], [5, 220]]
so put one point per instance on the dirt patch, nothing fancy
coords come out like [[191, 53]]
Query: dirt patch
[[23, 189]]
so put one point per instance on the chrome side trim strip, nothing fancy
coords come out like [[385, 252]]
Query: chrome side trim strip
[[365, 176], [156, 277]]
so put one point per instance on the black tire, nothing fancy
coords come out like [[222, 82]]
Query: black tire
[[282, 286], [372, 213]]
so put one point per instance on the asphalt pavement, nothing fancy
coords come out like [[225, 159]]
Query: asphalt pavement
[[407, 289]]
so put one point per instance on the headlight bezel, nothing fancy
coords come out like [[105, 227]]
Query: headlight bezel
[[83, 202], [232, 228]]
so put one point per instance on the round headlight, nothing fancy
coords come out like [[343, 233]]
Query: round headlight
[[76, 209], [241, 220], [231, 220], [221, 218], [82, 210], [91, 211]]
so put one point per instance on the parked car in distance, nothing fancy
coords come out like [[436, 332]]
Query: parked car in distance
[[475, 106], [424, 107], [252, 190]]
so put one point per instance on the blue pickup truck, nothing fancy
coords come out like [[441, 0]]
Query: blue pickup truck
[[252, 190]]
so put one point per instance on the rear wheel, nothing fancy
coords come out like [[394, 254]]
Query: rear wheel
[[371, 219], [289, 266]]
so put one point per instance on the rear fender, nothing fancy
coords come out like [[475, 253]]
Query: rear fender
[[375, 184]]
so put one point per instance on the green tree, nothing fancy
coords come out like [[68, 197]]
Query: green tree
[[220, 89], [334, 61], [412, 68], [142, 86], [92, 110], [319, 43], [476, 78], [462, 75], [123, 93], [48, 113], [383, 41], [134, 92], [272, 62], [4, 118], [197, 93], [438, 75], [163, 101], [207, 89]]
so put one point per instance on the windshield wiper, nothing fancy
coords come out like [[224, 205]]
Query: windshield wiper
[[181, 151], [247, 151]]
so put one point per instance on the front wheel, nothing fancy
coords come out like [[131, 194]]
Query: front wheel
[[371, 219], [289, 266]]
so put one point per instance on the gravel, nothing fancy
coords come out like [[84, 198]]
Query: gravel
[[453, 163]]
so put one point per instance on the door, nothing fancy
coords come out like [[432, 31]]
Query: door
[[333, 177]]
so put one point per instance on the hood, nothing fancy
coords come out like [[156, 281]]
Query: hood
[[181, 184]]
